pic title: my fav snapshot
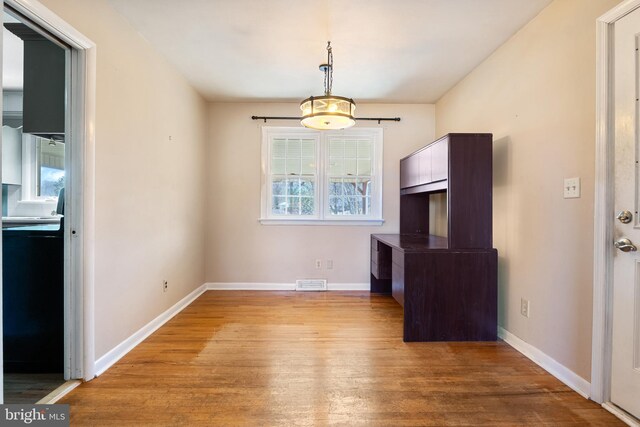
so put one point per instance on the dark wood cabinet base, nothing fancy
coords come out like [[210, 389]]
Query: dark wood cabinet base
[[447, 294]]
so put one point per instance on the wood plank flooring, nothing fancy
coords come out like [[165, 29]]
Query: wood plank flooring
[[334, 358]]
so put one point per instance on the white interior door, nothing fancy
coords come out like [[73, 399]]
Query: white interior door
[[625, 376]]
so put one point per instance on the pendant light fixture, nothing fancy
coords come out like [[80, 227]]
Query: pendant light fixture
[[328, 112]]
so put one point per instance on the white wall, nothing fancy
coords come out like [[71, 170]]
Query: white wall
[[150, 175], [536, 94], [240, 249]]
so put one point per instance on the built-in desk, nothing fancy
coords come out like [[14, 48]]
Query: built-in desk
[[446, 285], [447, 294]]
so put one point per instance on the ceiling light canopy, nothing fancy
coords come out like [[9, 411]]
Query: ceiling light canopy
[[328, 112]]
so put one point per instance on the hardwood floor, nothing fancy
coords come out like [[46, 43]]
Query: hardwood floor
[[333, 358]]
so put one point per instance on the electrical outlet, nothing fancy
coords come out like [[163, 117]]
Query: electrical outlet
[[318, 264], [524, 307], [165, 286], [329, 264], [571, 188]]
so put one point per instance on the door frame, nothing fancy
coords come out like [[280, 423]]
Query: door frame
[[604, 207], [80, 209]]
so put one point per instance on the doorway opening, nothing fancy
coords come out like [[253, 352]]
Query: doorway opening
[[35, 75]]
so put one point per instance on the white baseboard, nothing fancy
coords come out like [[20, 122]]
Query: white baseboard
[[349, 286], [626, 418], [256, 286], [116, 353], [561, 372]]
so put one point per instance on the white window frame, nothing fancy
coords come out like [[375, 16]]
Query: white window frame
[[322, 215]]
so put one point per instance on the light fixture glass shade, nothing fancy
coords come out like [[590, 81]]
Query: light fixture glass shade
[[328, 112]]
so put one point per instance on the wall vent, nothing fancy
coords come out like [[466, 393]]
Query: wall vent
[[311, 285]]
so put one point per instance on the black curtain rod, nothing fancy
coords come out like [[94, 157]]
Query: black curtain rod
[[376, 119]]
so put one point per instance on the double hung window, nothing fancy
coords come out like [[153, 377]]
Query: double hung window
[[332, 177]]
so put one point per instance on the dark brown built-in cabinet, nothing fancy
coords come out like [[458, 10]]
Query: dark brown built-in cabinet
[[446, 285]]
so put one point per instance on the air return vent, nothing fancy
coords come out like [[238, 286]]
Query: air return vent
[[311, 285]]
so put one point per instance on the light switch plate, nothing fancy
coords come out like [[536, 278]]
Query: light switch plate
[[571, 188]]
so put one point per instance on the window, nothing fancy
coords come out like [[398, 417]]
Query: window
[[327, 177], [49, 168], [43, 171]]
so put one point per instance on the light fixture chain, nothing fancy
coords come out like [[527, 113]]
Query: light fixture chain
[[328, 77]]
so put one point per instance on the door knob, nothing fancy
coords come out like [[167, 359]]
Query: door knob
[[624, 217], [625, 245]]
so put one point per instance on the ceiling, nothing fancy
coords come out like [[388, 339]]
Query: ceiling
[[405, 51]]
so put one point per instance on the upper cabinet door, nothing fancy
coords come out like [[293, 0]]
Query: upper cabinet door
[[424, 157], [409, 172], [439, 160]]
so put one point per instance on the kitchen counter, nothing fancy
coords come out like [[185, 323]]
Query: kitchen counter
[[17, 221]]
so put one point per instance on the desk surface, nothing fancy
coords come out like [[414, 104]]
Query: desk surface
[[420, 243]]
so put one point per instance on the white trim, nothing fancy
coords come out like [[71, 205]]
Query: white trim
[[257, 286], [59, 392], [546, 362], [623, 415], [119, 351], [603, 204], [290, 221], [349, 286]]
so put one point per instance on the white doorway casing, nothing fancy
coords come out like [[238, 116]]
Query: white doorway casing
[[80, 208], [604, 208]]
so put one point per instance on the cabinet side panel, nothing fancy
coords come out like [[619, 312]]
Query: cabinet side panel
[[470, 191], [450, 296]]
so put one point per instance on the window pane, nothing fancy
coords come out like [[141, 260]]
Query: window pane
[[293, 207], [279, 205], [336, 148], [335, 205], [293, 187], [367, 205], [349, 187], [293, 148], [51, 181], [350, 149], [277, 166], [278, 148], [308, 148], [307, 188], [350, 167], [364, 149], [308, 166], [353, 205], [336, 166], [364, 187], [364, 167], [335, 187], [279, 187], [307, 205], [293, 166]]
